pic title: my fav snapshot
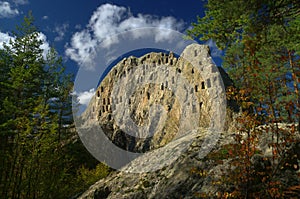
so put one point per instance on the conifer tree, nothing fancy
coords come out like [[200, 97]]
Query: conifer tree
[[261, 44], [40, 152]]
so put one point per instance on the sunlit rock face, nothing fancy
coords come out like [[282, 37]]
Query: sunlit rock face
[[144, 103]]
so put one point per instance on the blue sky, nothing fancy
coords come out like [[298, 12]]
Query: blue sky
[[75, 27]]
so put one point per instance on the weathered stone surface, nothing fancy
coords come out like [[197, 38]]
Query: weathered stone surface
[[144, 103], [192, 174], [191, 92], [189, 176], [174, 181]]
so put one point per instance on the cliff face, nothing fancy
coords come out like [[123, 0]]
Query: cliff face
[[144, 103], [161, 106]]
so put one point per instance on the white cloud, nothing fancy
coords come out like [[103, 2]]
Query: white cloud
[[83, 48], [20, 2], [109, 20], [45, 45], [6, 10], [86, 96], [61, 31], [214, 51], [4, 38]]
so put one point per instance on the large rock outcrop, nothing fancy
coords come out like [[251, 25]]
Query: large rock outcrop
[[194, 106], [157, 94], [191, 176]]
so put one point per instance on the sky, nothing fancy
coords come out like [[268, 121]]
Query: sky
[[76, 28]]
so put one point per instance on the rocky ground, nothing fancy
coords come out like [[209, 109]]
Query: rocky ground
[[188, 177]]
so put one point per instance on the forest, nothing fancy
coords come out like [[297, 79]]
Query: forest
[[262, 57], [41, 155]]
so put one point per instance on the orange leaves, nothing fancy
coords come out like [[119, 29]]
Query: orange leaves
[[246, 105], [293, 191], [242, 96], [259, 109], [274, 189], [245, 92], [230, 93], [274, 151]]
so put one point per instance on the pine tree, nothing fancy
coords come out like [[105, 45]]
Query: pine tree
[[40, 152], [29, 129], [261, 42]]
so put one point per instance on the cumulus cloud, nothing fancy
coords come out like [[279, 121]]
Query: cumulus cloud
[[60, 30], [109, 20], [4, 38], [83, 48], [6, 10], [214, 51], [85, 97]]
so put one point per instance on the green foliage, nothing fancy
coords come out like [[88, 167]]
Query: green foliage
[[40, 151], [261, 43], [87, 177]]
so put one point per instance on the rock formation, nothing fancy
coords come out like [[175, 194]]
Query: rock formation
[[187, 94], [144, 103]]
